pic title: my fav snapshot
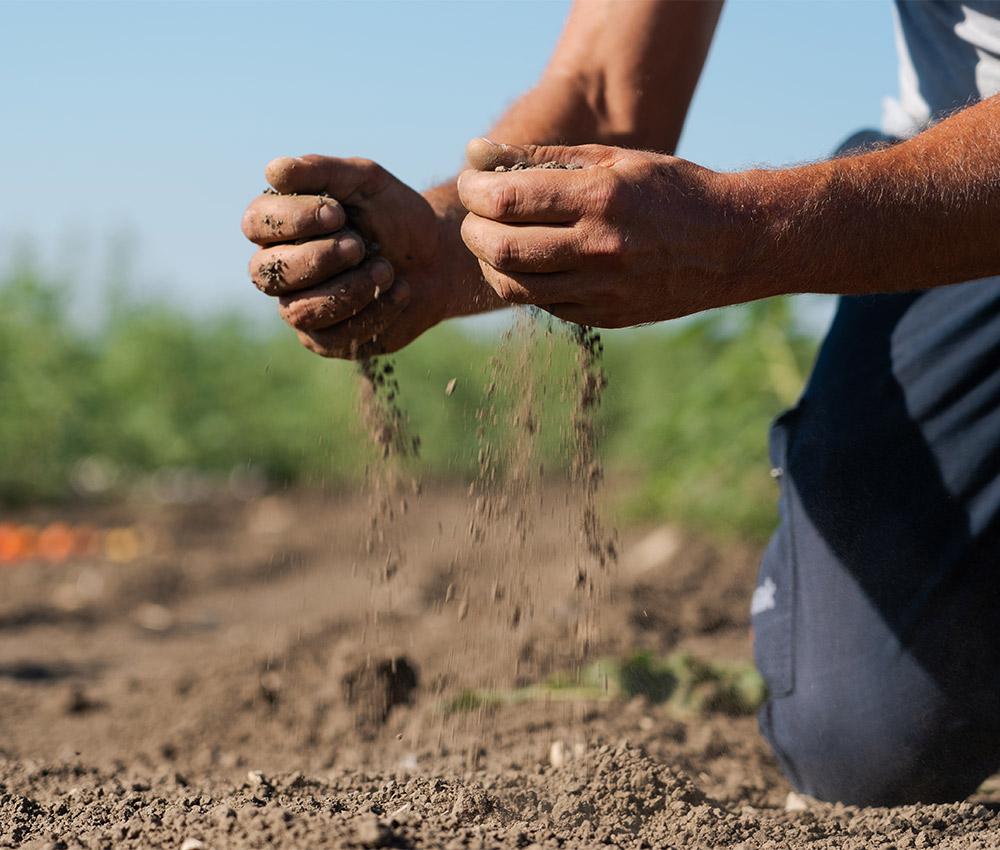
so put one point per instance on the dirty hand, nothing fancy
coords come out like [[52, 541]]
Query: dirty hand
[[344, 245], [627, 238]]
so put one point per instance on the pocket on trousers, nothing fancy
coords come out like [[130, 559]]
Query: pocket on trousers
[[772, 607]]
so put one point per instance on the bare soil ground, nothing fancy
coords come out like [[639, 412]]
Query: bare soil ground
[[257, 679]]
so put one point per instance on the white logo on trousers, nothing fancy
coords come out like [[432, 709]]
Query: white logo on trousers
[[763, 597]]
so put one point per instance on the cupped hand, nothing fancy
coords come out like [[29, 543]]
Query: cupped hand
[[348, 250], [623, 238]]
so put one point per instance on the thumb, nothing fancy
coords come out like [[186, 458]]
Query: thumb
[[484, 155], [350, 181]]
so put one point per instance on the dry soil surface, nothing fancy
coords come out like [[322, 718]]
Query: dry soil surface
[[257, 678]]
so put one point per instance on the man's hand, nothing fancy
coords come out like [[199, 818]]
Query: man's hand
[[627, 238], [352, 254]]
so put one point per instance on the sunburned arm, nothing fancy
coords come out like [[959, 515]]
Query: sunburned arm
[[920, 214], [623, 73], [637, 237]]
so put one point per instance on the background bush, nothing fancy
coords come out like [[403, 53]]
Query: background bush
[[684, 415]]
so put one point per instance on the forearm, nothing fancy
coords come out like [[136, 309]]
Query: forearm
[[623, 73], [920, 214]]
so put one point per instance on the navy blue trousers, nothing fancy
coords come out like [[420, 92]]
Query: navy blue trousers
[[877, 614]]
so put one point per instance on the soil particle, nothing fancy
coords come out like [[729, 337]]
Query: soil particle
[[272, 272], [521, 166], [274, 223]]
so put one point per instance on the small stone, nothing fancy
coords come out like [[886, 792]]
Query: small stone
[[796, 803]]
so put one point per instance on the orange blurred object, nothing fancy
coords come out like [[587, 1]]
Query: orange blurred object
[[18, 542], [10, 543], [57, 542]]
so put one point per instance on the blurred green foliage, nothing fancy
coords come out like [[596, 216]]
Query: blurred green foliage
[[684, 415], [688, 413]]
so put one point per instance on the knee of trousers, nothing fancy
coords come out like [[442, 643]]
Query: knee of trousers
[[875, 746]]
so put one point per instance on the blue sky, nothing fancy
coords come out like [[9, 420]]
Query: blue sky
[[135, 133]]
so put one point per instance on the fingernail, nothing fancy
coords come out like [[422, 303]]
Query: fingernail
[[381, 272], [331, 214], [350, 248]]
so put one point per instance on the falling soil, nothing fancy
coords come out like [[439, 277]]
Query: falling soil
[[390, 435], [511, 495]]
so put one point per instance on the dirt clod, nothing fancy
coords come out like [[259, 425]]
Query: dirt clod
[[375, 686], [272, 272]]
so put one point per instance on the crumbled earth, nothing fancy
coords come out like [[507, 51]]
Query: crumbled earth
[[521, 166], [255, 678]]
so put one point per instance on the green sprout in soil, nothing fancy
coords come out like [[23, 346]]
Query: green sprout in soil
[[685, 684]]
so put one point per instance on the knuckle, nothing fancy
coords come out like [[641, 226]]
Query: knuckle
[[362, 163], [612, 243], [503, 252], [505, 287], [504, 200], [309, 267], [373, 178], [607, 194]]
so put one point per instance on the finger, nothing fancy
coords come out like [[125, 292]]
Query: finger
[[287, 268], [363, 335], [285, 218], [522, 288], [351, 181], [484, 155], [578, 314], [589, 314], [527, 196], [338, 299], [524, 248]]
